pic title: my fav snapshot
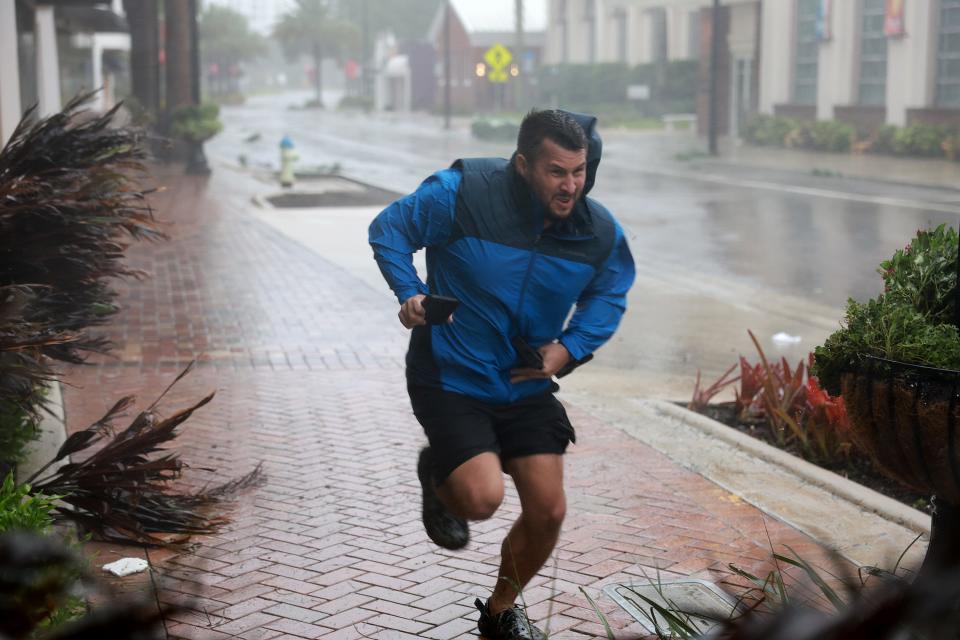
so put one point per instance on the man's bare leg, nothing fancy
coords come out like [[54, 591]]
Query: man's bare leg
[[539, 481], [474, 490]]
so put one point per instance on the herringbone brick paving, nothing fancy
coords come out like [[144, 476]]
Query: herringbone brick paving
[[307, 362]]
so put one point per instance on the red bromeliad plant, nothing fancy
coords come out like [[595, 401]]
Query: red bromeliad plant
[[789, 402], [702, 397], [751, 382]]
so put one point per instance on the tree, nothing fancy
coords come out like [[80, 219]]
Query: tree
[[409, 20], [311, 28], [142, 15], [225, 40], [179, 71]]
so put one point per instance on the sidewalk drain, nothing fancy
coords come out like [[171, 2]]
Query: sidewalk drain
[[330, 191], [705, 602]]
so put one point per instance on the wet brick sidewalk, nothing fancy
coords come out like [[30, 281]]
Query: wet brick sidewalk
[[307, 364]]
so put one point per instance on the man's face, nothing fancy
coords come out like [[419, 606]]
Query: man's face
[[556, 176]]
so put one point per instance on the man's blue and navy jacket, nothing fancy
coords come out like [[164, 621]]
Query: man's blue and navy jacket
[[483, 229]]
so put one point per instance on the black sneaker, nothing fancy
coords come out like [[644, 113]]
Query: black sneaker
[[509, 624], [444, 528]]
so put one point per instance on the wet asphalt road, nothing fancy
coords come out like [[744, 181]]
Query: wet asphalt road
[[719, 249]]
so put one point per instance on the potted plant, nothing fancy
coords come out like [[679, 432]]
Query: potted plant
[[896, 361], [195, 124]]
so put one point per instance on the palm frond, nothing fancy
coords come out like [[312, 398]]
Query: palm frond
[[122, 490], [70, 203]]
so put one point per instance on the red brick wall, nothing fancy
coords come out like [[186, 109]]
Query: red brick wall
[[947, 117], [799, 111], [864, 118]]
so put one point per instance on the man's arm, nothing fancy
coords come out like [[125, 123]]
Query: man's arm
[[422, 219], [602, 304]]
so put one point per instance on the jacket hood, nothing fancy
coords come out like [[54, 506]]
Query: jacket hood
[[594, 146]]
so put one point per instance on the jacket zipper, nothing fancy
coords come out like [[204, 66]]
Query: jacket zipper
[[526, 277]]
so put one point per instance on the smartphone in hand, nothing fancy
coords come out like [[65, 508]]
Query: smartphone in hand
[[439, 308], [529, 357]]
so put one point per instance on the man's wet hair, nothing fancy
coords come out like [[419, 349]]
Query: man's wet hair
[[558, 126]]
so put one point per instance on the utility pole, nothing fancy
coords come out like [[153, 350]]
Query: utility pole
[[365, 55], [195, 88], [714, 72], [179, 87], [197, 162], [519, 87], [446, 66]]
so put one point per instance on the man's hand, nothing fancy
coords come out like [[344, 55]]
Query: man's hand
[[412, 313], [555, 356]]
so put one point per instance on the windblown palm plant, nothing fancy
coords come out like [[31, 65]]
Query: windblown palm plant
[[23, 366], [122, 491], [70, 201]]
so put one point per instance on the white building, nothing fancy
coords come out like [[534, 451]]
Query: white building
[[867, 62], [629, 31], [862, 64]]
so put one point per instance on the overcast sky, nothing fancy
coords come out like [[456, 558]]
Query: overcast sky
[[497, 15]]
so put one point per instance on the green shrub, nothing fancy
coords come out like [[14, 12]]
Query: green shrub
[[882, 140], [830, 135], [356, 102], [923, 274], [21, 511], [495, 129], [594, 88], [768, 131], [920, 140], [800, 136], [47, 594], [621, 115], [196, 123], [17, 430], [909, 322]]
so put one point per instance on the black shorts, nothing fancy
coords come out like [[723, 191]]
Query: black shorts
[[459, 427]]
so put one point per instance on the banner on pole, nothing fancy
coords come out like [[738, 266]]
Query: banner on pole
[[824, 11], [893, 26]]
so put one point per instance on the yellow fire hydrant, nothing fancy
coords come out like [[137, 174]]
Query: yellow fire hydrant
[[287, 157]]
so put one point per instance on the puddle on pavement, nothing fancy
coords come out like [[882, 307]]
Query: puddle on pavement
[[330, 191]]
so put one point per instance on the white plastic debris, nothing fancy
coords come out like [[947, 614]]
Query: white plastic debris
[[126, 566], [785, 338]]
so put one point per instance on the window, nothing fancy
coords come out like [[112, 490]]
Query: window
[[658, 17], [620, 19], [562, 27], [808, 50], [948, 55], [694, 47], [590, 21], [873, 54]]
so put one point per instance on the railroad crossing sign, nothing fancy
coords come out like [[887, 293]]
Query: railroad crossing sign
[[498, 57]]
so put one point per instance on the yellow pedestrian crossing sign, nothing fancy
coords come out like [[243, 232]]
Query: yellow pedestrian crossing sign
[[498, 57]]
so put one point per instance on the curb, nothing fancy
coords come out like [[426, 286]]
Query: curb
[[866, 498], [719, 164]]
